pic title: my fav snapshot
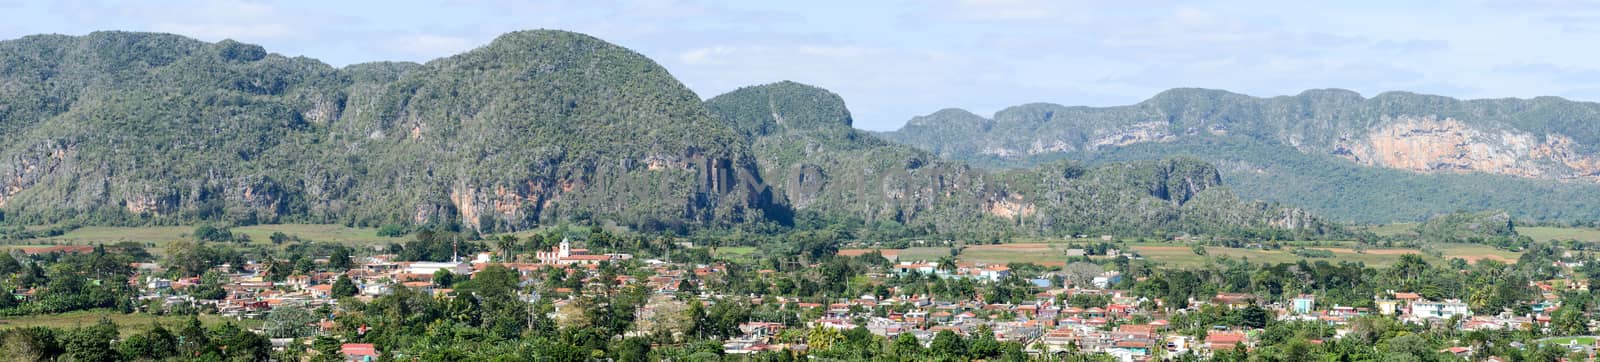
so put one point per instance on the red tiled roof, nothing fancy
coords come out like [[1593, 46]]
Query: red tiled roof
[[359, 349]]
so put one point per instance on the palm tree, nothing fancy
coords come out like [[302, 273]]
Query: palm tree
[[947, 264], [505, 244]]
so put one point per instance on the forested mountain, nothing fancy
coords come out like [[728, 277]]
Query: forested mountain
[[537, 126], [1396, 156], [118, 127], [804, 142]]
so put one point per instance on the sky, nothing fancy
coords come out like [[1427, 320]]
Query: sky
[[892, 60]]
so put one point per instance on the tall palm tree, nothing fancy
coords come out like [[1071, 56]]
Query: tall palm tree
[[505, 243], [947, 264]]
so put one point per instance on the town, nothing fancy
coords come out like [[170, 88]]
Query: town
[[678, 299]]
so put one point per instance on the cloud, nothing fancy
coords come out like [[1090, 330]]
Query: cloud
[[1410, 46], [427, 46], [1549, 71], [707, 55], [223, 19]]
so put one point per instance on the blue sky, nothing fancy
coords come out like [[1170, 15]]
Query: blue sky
[[892, 60]]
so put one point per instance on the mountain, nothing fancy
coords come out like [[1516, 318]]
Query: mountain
[[117, 127], [1393, 157], [806, 147]]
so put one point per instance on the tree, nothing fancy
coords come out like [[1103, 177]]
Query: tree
[[339, 259], [823, 338], [278, 238], [1254, 316], [343, 287], [1568, 321], [948, 345], [193, 339], [443, 278], [495, 288], [210, 286], [506, 243], [327, 348], [983, 344], [1413, 346], [212, 233], [947, 263], [92, 343], [906, 347], [391, 230], [29, 344], [289, 321], [156, 344], [241, 344], [634, 349]]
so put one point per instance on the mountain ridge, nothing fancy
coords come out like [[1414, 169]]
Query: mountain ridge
[[830, 168], [1541, 139], [536, 127]]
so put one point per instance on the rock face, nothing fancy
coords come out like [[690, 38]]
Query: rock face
[[1428, 144], [1543, 138], [1393, 157]]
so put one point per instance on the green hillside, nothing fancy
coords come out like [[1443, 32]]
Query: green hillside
[[537, 127], [1393, 157], [134, 128], [808, 151]]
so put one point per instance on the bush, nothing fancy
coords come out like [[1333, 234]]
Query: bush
[[391, 230]]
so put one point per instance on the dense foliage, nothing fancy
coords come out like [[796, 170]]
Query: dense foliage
[[831, 172], [140, 128], [1283, 149]]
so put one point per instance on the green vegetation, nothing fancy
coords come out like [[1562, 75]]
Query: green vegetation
[[534, 129], [127, 323], [1284, 149], [122, 129], [835, 175], [254, 234], [1546, 233]]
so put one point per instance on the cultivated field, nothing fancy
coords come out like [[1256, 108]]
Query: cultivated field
[[126, 323], [1180, 255], [1541, 233]]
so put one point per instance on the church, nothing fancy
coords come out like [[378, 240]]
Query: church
[[564, 254]]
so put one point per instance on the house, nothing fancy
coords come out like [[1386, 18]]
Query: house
[[359, 352], [1234, 300], [1107, 279], [1387, 306], [1224, 340], [429, 267], [1439, 310], [1303, 304]]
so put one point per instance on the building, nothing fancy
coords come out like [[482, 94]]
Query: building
[[1387, 306], [1441, 310], [1303, 304], [564, 254], [1107, 279], [359, 352], [430, 267]]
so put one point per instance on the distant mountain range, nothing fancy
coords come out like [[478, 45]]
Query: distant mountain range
[[1393, 157], [536, 127]]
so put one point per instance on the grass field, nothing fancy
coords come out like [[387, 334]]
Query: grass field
[[126, 323], [1541, 233], [735, 251], [259, 234], [1565, 341], [1179, 255], [1393, 229]]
